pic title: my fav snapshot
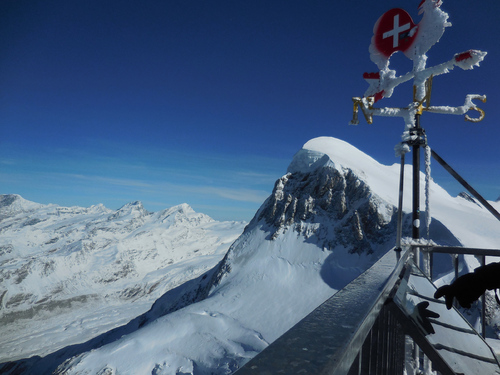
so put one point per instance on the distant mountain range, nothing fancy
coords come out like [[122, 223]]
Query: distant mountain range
[[70, 273], [95, 291]]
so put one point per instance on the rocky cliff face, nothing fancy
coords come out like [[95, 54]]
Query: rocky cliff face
[[333, 207]]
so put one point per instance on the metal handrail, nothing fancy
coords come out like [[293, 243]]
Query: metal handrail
[[330, 338], [458, 250], [354, 331]]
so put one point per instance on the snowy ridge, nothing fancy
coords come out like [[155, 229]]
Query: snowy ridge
[[58, 264], [328, 219]]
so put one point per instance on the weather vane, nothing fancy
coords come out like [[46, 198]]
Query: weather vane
[[395, 31]]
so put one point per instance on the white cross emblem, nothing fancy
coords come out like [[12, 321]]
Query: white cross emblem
[[396, 31]]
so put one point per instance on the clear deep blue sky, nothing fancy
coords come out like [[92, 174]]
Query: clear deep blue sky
[[206, 102]]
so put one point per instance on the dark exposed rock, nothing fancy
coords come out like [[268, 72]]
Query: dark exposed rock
[[338, 208]]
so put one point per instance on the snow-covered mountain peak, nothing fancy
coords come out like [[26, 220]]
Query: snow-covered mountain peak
[[182, 209], [329, 151], [135, 208], [182, 213], [98, 208], [132, 205], [11, 203], [326, 196]]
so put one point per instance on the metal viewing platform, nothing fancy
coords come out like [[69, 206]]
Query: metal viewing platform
[[386, 321]]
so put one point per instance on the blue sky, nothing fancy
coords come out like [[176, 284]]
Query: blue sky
[[206, 102]]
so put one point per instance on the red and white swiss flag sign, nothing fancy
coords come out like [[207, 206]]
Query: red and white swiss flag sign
[[394, 31]]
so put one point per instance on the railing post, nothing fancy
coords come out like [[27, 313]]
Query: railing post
[[383, 351], [416, 181], [400, 203], [366, 351], [455, 264], [482, 259], [374, 348], [427, 263]]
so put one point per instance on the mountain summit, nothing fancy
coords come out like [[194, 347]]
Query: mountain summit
[[327, 197], [12, 203], [329, 218]]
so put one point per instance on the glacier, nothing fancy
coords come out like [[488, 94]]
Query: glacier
[[329, 218]]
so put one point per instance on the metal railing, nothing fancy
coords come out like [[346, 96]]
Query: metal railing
[[384, 349], [330, 339], [359, 330]]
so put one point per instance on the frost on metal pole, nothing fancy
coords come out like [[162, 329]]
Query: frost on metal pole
[[394, 32]]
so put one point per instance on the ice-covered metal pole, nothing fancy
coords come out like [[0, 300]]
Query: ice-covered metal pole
[[416, 183], [400, 203]]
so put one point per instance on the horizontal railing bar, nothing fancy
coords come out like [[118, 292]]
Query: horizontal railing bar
[[457, 250]]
